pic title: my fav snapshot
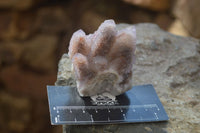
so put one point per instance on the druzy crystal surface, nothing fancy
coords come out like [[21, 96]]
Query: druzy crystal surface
[[102, 62]]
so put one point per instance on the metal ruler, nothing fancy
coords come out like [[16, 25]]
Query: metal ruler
[[140, 104]]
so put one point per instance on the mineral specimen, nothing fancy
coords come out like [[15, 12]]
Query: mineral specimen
[[102, 62]]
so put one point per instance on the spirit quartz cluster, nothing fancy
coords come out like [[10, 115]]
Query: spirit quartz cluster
[[102, 61]]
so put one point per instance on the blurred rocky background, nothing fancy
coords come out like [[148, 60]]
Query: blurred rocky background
[[35, 33]]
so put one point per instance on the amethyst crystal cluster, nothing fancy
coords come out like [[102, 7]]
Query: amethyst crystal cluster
[[102, 61]]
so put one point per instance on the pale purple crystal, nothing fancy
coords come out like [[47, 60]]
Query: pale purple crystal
[[102, 62]]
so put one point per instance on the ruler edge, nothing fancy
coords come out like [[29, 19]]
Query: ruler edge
[[109, 123]]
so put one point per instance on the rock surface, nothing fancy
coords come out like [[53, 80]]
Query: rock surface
[[151, 4], [52, 20], [177, 28], [19, 110], [7, 27], [38, 53], [172, 64], [20, 81], [19, 4], [188, 13]]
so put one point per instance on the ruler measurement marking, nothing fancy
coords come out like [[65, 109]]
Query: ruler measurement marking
[[56, 119], [100, 121], [91, 118], [96, 110], [107, 107], [70, 110], [124, 115], [156, 115], [83, 110]]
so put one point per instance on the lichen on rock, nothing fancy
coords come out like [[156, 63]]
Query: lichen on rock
[[102, 62]]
